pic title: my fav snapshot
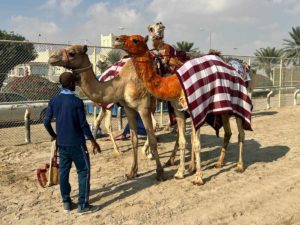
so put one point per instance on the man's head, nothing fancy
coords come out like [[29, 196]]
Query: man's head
[[67, 80]]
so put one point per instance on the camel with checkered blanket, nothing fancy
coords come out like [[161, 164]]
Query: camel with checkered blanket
[[126, 89], [169, 88]]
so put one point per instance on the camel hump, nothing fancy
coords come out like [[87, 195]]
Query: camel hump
[[214, 52]]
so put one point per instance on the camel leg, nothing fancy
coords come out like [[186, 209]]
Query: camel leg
[[196, 149], [154, 122], [227, 135], [171, 160], [147, 121], [146, 147], [98, 121], [131, 116], [241, 138], [180, 117], [192, 164], [108, 118]]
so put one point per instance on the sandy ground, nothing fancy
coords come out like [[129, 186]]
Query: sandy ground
[[268, 192]]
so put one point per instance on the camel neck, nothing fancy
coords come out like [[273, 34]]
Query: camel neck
[[158, 44], [166, 88], [99, 92]]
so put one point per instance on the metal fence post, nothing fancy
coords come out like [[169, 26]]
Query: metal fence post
[[94, 114], [120, 121], [161, 113], [269, 99], [27, 126], [295, 96], [280, 83], [95, 58]]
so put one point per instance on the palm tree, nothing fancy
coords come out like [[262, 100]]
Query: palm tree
[[109, 59], [186, 47], [114, 56], [292, 47], [267, 58]]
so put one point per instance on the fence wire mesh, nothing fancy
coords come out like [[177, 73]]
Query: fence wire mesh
[[28, 81]]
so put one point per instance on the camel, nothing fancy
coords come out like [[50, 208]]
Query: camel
[[106, 111], [156, 32], [125, 89], [169, 88], [170, 63]]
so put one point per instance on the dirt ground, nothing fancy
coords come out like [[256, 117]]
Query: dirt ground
[[268, 192]]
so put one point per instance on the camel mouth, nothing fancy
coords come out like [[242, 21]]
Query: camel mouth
[[53, 61], [119, 44]]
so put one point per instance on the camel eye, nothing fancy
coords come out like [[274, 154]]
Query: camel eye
[[135, 41], [72, 54]]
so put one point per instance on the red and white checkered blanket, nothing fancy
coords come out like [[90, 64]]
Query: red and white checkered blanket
[[109, 74], [213, 87]]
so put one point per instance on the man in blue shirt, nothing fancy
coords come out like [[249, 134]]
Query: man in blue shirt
[[71, 128]]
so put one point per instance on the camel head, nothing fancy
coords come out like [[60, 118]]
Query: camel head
[[134, 45], [73, 57], [156, 30]]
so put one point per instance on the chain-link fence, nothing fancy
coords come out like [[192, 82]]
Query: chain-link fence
[[27, 83]]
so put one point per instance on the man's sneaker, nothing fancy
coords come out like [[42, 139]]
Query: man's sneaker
[[67, 207], [87, 209]]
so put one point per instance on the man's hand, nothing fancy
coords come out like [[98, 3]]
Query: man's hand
[[53, 138], [96, 147]]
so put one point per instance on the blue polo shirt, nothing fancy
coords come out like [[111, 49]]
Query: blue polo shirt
[[71, 124]]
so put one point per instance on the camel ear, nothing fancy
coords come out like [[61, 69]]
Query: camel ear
[[84, 49], [146, 38]]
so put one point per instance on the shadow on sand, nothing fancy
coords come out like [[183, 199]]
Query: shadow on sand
[[253, 153]]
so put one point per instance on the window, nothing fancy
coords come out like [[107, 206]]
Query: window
[[21, 72], [40, 70]]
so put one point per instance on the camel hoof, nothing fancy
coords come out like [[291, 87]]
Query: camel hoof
[[160, 176], [192, 168], [179, 175], [144, 151], [170, 162], [131, 175], [218, 165], [240, 168], [198, 182], [117, 153], [198, 179], [150, 156]]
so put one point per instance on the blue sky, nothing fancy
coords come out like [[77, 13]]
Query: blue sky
[[237, 26]]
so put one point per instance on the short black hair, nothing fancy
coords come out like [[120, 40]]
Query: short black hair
[[66, 78]]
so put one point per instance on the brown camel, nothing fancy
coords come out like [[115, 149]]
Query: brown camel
[[169, 88], [156, 32], [125, 89], [170, 63]]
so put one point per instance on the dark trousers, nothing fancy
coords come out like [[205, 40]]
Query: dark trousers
[[79, 155]]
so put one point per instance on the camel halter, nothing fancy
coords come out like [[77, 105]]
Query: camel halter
[[66, 57], [81, 69]]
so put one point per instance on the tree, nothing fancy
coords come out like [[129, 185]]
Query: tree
[[186, 47], [292, 47], [267, 58], [13, 53], [114, 56], [110, 58]]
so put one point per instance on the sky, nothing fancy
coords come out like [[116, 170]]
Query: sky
[[237, 26]]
